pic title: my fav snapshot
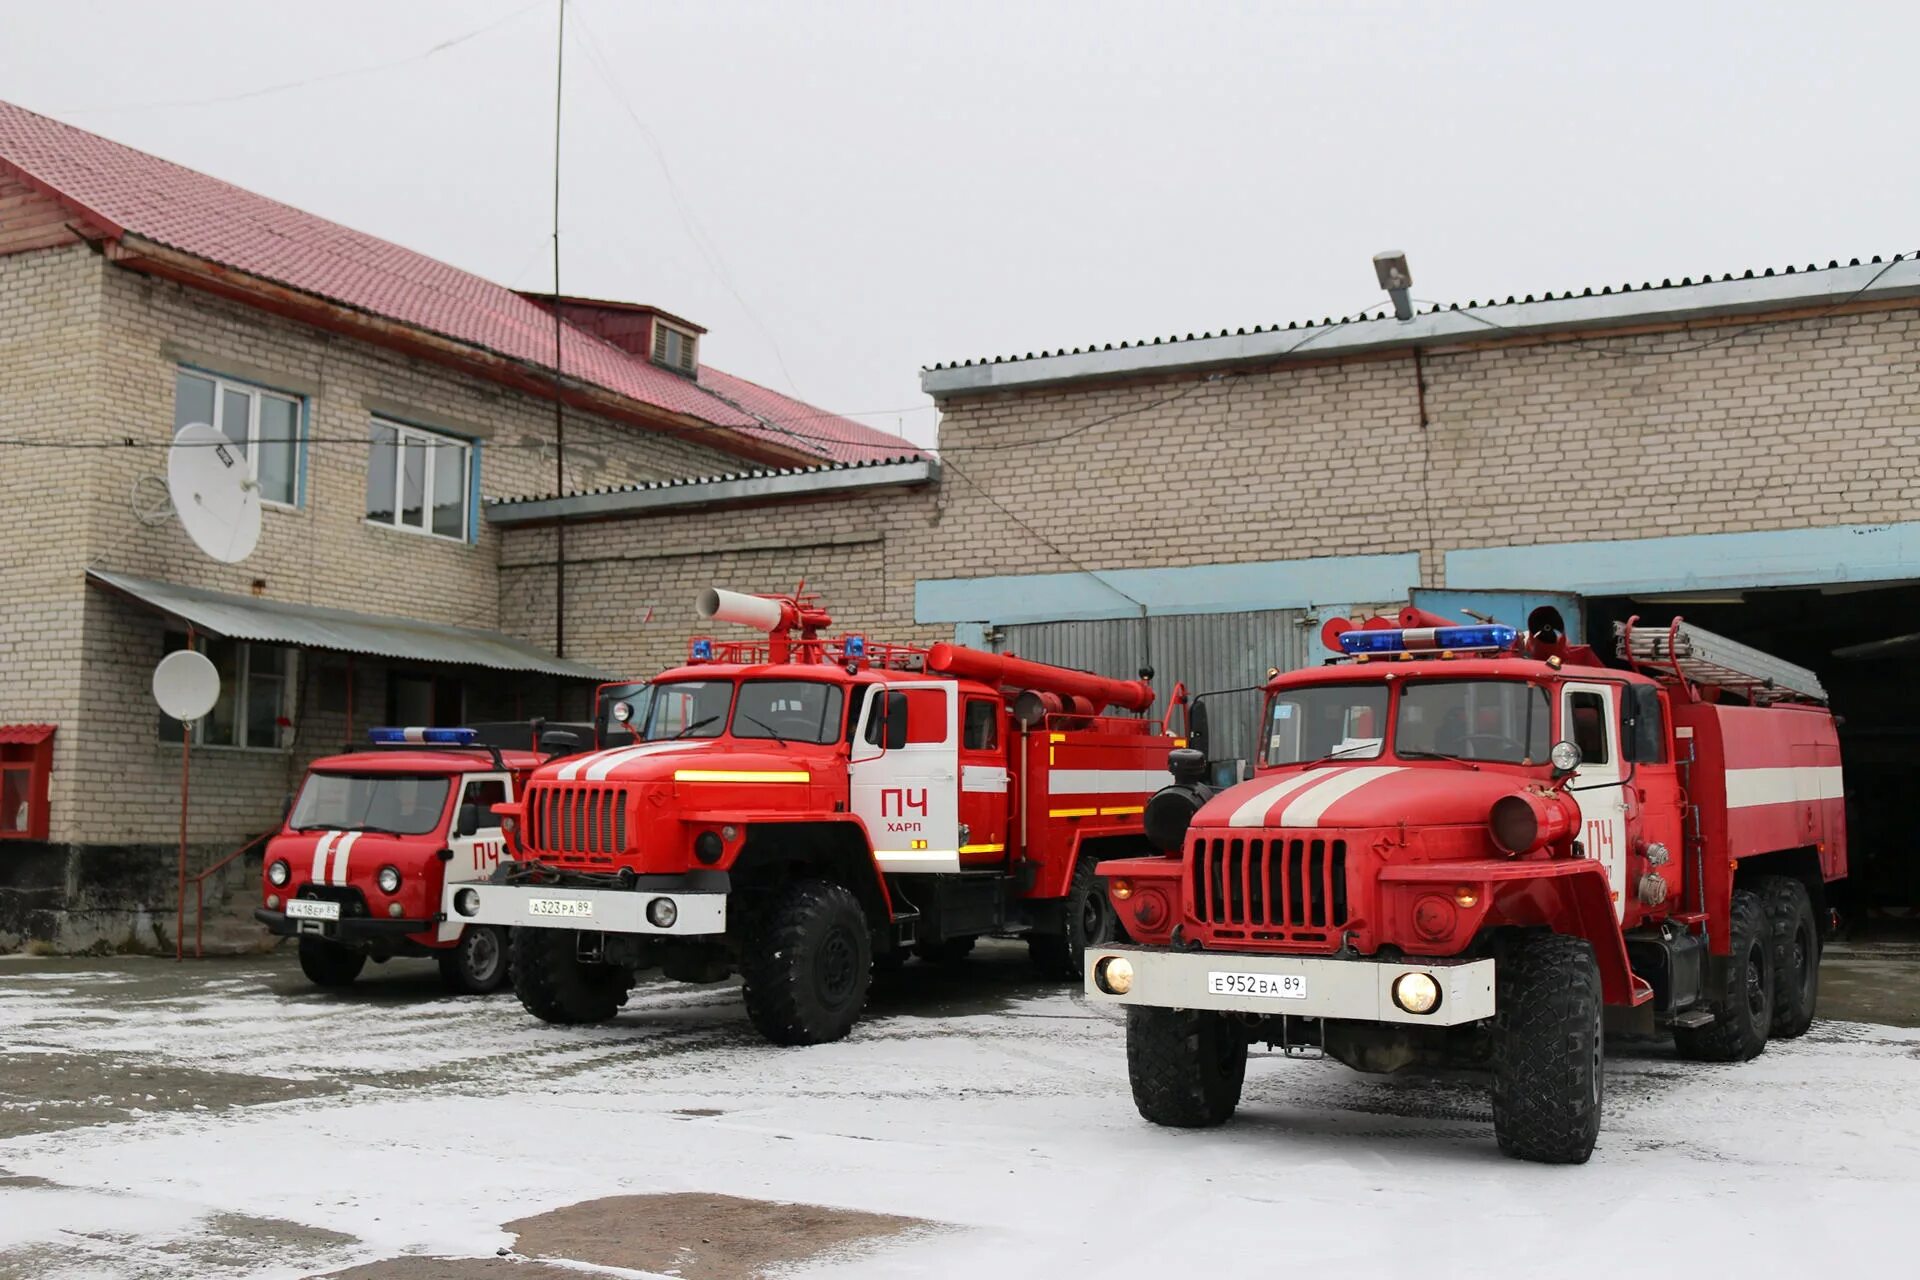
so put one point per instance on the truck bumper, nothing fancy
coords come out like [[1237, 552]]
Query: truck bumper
[[1360, 989], [349, 929], [693, 913]]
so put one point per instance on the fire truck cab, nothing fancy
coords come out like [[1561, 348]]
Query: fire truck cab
[[801, 809], [1461, 845], [358, 868]]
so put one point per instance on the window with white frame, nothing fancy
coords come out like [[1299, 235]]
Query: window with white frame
[[418, 480], [256, 688], [263, 425]]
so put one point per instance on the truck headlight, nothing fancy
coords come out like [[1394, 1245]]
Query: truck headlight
[[279, 873], [662, 912], [467, 902], [1416, 992], [1114, 975], [388, 880]]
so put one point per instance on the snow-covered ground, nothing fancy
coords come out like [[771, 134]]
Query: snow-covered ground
[[223, 1121]]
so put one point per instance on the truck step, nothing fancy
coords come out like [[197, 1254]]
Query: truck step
[[1691, 1018]]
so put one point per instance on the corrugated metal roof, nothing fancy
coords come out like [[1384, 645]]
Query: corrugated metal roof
[[14, 735], [1669, 301], [704, 490], [281, 622]]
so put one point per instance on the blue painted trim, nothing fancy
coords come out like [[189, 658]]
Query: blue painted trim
[[971, 634], [1696, 562], [1206, 588], [473, 493], [300, 461]]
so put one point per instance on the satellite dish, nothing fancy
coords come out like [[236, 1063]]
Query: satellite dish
[[216, 499], [186, 684]]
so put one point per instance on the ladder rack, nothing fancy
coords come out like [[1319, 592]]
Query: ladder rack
[[1703, 658]]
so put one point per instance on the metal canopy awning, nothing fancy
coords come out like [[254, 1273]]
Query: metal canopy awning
[[309, 626]]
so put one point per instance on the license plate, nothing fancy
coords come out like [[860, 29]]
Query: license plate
[[1272, 986], [313, 909], [559, 907]]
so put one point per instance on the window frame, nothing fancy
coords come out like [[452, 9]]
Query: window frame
[[254, 392], [468, 451], [242, 687], [31, 759], [689, 343]]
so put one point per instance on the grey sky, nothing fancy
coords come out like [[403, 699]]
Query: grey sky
[[889, 185]]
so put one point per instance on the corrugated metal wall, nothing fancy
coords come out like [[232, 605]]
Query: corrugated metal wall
[[1208, 651]]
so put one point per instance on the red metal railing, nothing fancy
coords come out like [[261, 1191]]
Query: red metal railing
[[200, 896]]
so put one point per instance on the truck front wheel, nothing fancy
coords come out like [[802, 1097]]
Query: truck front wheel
[[1186, 1065], [808, 962], [1087, 920], [1547, 1050], [477, 964], [328, 964], [556, 985], [1743, 1007]]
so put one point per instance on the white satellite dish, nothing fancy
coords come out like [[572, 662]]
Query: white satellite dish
[[217, 501], [186, 684]]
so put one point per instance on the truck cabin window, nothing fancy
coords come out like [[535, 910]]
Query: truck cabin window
[[686, 709], [1498, 720], [1337, 722], [397, 804], [788, 710]]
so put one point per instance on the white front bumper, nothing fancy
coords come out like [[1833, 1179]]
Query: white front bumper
[[1358, 989], [593, 910]]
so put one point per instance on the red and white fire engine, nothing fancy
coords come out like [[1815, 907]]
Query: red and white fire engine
[[802, 808], [358, 869], [1461, 843]]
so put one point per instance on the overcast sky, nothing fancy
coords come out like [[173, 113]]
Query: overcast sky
[[843, 193]]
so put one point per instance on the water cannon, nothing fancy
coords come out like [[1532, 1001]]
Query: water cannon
[[1016, 675], [775, 615]]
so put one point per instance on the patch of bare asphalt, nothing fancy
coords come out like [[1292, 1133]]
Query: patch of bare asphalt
[[689, 1235], [44, 1092], [223, 1245]]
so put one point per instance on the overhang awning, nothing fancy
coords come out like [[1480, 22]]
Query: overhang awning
[[313, 627]]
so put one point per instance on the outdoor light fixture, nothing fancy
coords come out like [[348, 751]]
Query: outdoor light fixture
[[1390, 267]]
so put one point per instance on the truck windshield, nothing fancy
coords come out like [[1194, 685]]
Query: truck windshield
[[788, 710], [1329, 721], [399, 804], [685, 709], [1499, 720]]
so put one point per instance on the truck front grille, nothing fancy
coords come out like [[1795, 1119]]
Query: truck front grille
[[1270, 884], [576, 823]]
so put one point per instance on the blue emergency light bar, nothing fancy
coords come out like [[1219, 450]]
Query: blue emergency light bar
[[703, 650], [433, 737], [1426, 639], [854, 646]]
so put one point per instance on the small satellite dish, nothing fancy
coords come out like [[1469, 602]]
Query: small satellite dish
[[186, 684], [216, 499]]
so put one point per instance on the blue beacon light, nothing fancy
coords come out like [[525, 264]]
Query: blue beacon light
[[854, 646], [703, 650], [1426, 639], [434, 737]]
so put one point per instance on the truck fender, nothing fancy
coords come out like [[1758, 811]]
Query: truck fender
[[1574, 898], [833, 850]]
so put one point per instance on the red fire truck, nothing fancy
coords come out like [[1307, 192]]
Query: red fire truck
[[357, 870], [1461, 843], [803, 808]]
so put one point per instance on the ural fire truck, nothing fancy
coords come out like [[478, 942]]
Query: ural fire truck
[[1460, 844], [802, 808], [357, 870]]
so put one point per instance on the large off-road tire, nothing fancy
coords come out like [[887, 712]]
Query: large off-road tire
[[808, 962], [1548, 1051], [1796, 954], [477, 964], [328, 964], [1743, 1007], [1186, 1065], [556, 985], [946, 951], [1089, 921]]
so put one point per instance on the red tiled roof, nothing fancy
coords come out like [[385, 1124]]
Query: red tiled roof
[[27, 734], [841, 439], [221, 223]]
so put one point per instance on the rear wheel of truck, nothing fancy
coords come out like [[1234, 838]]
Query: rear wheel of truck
[[1548, 1050], [477, 964], [1743, 1007], [1796, 954], [1088, 919], [328, 964], [1186, 1065], [808, 963], [556, 985]]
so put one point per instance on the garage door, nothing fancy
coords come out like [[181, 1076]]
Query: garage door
[[1208, 651]]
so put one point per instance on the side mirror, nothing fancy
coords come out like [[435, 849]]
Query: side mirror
[[1197, 725], [1565, 757], [468, 820], [896, 721]]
